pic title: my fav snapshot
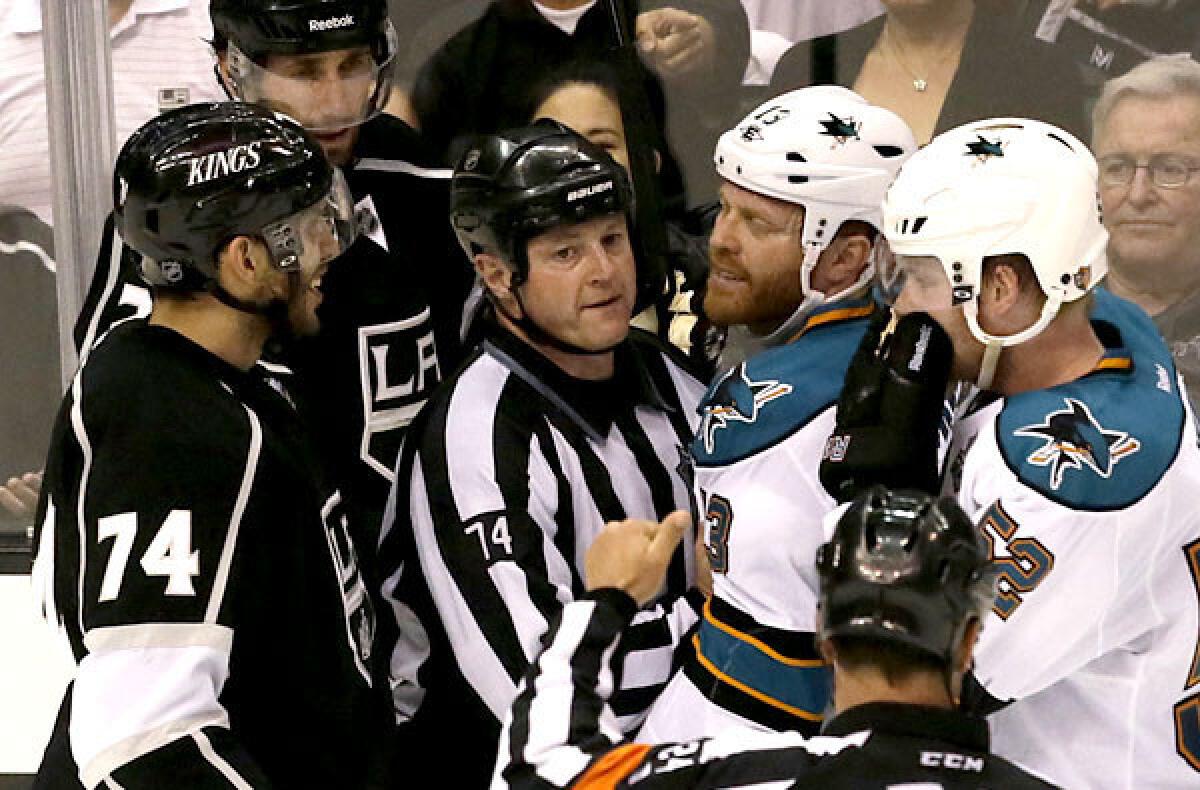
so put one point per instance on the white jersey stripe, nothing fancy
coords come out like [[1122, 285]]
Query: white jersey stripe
[[400, 166], [227, 770], [112, 276], [221, 579], [85, 448]]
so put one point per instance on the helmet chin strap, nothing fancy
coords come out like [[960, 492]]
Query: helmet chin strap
[[275, 311], [993, 345], [812, 298]]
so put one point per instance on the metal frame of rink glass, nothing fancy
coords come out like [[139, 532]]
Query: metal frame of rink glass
[[367, 78], [315, 235], [920, 279], [1169, 171]]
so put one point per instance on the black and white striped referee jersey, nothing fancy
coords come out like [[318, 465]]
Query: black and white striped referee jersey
[[504, 481], [561, 732], [204, 577]]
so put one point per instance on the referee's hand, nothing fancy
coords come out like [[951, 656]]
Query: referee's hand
[[633, 555]]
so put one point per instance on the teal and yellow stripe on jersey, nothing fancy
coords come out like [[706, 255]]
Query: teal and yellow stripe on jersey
[[776, 669]]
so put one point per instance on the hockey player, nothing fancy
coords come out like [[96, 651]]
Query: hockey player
[[562, 420], [189, 547], [792, 259], [1077, 459], [904, 582], [392, 305]]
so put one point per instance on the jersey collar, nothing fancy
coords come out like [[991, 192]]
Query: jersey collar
[[592, 405], [919, 721]]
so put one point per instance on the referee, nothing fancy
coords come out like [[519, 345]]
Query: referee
[[563, 419]]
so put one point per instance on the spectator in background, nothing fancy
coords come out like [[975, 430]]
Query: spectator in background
[[696, 49], [583, 96], [1147, 142], [801, 20], [942, 63], [160, 59], [1106, 38]]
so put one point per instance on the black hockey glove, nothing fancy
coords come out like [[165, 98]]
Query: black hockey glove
[[890, 409]]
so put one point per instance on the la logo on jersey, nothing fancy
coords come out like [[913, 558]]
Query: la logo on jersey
[[738, 399], [239, 158], [1074, 439], [400, 368]]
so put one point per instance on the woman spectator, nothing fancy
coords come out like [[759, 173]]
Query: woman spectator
[[942, 63]]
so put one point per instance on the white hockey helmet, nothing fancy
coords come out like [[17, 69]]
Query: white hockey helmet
[[824, 148], [998, 187]]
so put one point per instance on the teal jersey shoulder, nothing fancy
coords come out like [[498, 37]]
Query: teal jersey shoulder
[[1103, 441], [770, 396]]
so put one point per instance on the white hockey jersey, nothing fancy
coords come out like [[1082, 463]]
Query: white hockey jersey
[[1087, 494], [753, 661]]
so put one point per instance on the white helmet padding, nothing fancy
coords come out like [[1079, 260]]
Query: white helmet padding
[[824, 148], [1000, 187]]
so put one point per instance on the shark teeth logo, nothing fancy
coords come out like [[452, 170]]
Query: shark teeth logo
[[983, 149], [840, 130], [1074, 439], [738, 399]]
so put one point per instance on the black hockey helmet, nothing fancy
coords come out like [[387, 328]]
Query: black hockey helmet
[[513, 185], [193, 178], [251, 29], [296, 27], [903, 567]]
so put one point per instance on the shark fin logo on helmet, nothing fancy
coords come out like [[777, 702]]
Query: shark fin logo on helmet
[[1074, 440], [842, 131], [983, 149]]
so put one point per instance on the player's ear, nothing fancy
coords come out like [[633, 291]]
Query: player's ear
[[497, 277], [223, 71], [242, 266], [966, 650]]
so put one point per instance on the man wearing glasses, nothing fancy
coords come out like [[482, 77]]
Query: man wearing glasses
[[1147, 141]]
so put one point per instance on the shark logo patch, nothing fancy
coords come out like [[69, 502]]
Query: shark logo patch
[[841, 131], [983, 149], [1074, 440], [738, 399]]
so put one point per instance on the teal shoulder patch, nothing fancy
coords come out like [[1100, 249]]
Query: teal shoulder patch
[[1103, 441], [772, 395]]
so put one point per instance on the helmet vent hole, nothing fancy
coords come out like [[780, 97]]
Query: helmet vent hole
[[792, 156], [152, 220], [904, 226], [919, 223], [796, 179], [888, 151], [1053, 136]]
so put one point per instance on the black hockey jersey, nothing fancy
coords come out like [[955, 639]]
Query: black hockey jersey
[[561, 733], [205, 578], [390, 317]]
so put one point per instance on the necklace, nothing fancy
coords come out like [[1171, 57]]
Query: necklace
[[920, 84]]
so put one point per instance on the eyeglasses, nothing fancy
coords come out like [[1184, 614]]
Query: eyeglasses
[[1167, 171]]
